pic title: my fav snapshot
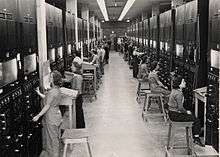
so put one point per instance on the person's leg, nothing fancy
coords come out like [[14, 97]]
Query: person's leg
[[53, 134], [80, 122]]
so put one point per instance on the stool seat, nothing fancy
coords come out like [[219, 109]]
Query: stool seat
[[75, 136], [181, 124], [88, 74], [75, 133]]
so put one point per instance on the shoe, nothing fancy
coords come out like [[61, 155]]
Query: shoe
[[198, 142]]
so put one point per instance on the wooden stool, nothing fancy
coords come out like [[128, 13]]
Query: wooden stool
[[171, 137], [72, 136], [142, 91], [149, 95]]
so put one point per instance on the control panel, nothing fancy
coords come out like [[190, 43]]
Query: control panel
[[33, 107], [212, 110], [164, 71], [12, 124]]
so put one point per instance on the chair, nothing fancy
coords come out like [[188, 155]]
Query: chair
[[173, 126], [74, 136]]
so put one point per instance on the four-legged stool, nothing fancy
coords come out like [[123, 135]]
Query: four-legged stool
[[73, 136], [173, 126], [158, 96], [142, 90]]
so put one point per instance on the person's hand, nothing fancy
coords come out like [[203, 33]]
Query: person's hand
[[172, 73], [36, 118], [188, 112], [37, 89]]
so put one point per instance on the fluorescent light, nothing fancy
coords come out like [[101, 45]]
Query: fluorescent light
[[103, 9], [126, 8]]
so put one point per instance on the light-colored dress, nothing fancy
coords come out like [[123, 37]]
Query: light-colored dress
[[51, 123]]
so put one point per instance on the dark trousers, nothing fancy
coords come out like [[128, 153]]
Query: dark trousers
[[80, 122], [107, 56], [102, 68], [184, 117], [135, 67]]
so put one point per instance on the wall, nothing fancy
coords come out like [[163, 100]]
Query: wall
[[118, 27]]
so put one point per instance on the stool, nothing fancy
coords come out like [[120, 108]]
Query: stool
[[72, 136], [149, 95], [141, 91], [89, 85], [171, 137]]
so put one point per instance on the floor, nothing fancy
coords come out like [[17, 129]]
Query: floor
[[114, 120]]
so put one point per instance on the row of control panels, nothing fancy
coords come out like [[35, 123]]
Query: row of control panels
[[19, 135]]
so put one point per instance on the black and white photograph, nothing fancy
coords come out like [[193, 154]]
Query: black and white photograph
[[109, 78]]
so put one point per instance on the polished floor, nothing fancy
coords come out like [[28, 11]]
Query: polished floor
[[114, 120], [115, 124]]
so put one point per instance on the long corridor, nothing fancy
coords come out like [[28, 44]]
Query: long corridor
[[114, 119]]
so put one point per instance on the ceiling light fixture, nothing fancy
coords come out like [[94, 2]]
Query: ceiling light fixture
[[126, 8], [103, 9]]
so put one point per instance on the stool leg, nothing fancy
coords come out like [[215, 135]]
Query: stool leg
[[187, 141], [172, 137], [138, 90], [148, 103], [162, 107], [89, 149], [169, 136], [65, 150], [145, 101], [191, 144]]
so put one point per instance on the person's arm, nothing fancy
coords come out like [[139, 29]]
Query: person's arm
[[160, 83], [39, 93], [93, 60], [50, 100]]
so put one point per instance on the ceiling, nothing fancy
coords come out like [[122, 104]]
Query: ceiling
[[140, 6], [115, 7]]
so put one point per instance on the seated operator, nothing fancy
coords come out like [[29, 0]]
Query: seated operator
[[178, 113]]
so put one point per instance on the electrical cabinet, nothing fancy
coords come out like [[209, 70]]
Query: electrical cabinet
[[27, 30], [8, 18], [212, 108]]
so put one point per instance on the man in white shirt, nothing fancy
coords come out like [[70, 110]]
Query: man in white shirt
[[101, 58]]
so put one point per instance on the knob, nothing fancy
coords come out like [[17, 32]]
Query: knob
[[2, 115], [16, 150]]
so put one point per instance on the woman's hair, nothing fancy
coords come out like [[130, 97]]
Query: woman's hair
[[94, 51], [57, 78], [153, 65], [176, 82]]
